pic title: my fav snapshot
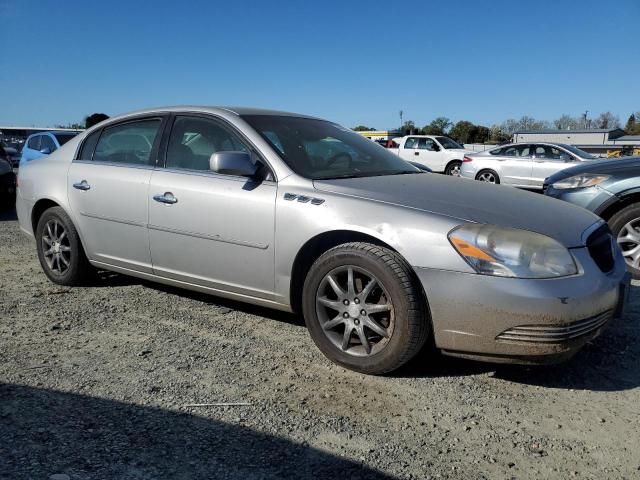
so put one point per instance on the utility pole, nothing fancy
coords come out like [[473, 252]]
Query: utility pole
[[401, 123], [584, 116]]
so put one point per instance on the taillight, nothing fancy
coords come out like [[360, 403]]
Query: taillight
[[467, 159]]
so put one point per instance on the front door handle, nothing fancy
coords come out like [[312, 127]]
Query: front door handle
[[416, 153], [166, 197], [83, 185]]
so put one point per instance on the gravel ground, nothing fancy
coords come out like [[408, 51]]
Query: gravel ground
[[94, 384]]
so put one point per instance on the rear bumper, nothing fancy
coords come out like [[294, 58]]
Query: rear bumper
[[521, 320]]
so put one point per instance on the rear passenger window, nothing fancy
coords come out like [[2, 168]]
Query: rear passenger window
[[129, 143], [89, 145], [193, 140], [34, 142]]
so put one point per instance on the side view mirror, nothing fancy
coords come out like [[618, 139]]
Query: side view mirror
[[233, 163], [45, 151], [565, 158], [435, 148]]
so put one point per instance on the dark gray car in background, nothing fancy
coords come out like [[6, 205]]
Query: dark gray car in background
[[610, 189]]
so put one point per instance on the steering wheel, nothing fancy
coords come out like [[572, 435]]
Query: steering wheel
[[340, 156]]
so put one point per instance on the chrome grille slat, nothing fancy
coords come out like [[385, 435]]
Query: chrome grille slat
[[556, 333]]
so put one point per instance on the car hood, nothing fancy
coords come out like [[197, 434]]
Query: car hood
[[472, 201], [618, 166], [463, 151]]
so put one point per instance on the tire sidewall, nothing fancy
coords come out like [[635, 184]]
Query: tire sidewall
[[451, 166], [619, 220], [70, 275], [394, 349], [493, 172]]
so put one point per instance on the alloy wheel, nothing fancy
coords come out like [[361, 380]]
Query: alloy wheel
[[487, 177], [56, 247], [629, 242], [355, 310], [454, 171]]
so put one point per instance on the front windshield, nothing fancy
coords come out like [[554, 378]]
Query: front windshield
[[447, 143], [578, 152], [318, 149]]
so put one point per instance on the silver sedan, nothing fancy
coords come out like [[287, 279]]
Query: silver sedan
[[523, 165], [300, 214]]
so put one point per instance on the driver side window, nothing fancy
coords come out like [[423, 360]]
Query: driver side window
[[194, 139], [427, 144]]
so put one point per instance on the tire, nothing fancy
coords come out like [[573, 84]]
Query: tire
[[406, 323], [626, 224], [71, 268], [453, 168], [488, 174]]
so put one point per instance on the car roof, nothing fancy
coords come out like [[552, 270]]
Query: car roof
[[216, 109]]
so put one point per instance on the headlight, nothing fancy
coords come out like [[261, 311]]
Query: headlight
[[509, 252], [583, 180]]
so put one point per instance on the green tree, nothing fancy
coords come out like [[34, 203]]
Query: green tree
[[94, 119], [409, 127], [439, 126], [633, 124], [363, 128], [461, 131]]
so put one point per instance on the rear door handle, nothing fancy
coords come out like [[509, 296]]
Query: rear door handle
[[83, 185], [166, 197], [416, 153]]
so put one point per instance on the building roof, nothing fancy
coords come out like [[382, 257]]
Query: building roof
[[629, 138], [577, 130]]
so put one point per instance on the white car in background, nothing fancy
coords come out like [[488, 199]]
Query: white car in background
[[436, 152], [523, 165]]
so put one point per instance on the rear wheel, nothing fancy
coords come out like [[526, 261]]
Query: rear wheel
[[625, 226], [453, 168], [488, 176], [363, 308], [59, 249]]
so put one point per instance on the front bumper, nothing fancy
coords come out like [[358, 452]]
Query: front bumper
[[522, 320]]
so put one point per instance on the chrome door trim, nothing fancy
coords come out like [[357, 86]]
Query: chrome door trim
[[116, 164], [210, 173], [216, 238]]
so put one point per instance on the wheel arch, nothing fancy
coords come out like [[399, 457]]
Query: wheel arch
[[620, 203], [453, 160], [316, 246], [39, 208]]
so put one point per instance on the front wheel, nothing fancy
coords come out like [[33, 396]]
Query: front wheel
[[364, 309], [625, 226], [488, 176], [59, 249], [453, 168]]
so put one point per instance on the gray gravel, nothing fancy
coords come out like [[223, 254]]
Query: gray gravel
[[94, 383]]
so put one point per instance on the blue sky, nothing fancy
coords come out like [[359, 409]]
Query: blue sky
[[352, 62]]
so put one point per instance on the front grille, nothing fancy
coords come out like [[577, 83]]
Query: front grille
[[555, 333], [601, 247]]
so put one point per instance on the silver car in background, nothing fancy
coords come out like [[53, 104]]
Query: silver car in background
[[523, 165], [300, 214]]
